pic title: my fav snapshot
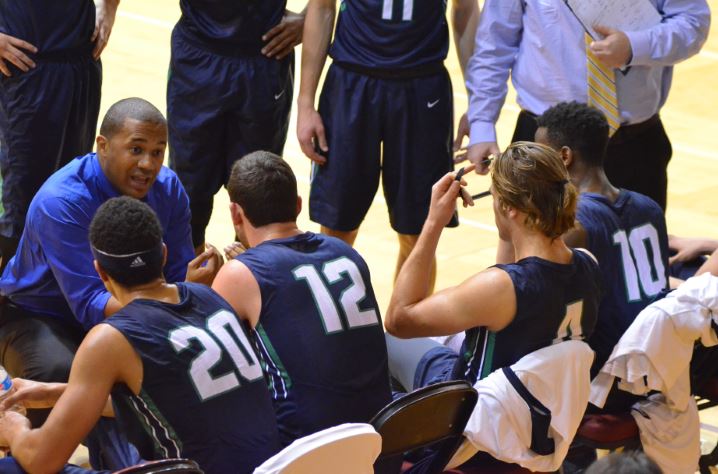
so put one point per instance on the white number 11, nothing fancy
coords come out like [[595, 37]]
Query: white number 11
[[388, 10]]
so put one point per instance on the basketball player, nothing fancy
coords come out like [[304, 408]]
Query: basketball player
[[625, 230], [548, 295], [229, 91], [184, 379], [386, 109], [310, 300]]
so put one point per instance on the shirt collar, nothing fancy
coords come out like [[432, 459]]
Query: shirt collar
[[105, 188]]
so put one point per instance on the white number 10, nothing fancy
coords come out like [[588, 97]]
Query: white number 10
[[637, 265]]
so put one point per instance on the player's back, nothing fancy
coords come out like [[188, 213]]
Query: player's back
[[630, 241], [391, 34], [239, 24], [319, 333], [50, 25], [554, 302], [203, 393]]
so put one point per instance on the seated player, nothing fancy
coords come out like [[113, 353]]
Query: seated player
[[53, 295], [689, 257], [550, 294], [184, 378], [624, 230], [310, 300]]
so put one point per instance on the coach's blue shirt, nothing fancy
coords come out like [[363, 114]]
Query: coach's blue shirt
[[52, 273]]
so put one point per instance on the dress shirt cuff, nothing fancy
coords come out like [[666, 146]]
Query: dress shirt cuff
[[640, 47], [482, 132]]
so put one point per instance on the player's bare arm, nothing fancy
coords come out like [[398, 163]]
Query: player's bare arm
[[13, 51], [318, 27], [486, 299], [281, 40], [103, 359], [711, 265], [464, 20], [236, 284], [105, 11]]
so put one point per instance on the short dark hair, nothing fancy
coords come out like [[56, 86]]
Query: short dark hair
[[265, 186], [578, 126], [125, 226], [627, 462], [130, 108]]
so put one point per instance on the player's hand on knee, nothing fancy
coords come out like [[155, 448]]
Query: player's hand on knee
[[480, 154], [204, 267], [104, 20], [31, 394], [282, 39], [11, 50], [311, 136], [10, 424], [234, 249]]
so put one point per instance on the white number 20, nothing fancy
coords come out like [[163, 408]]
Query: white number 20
[[223, 330]]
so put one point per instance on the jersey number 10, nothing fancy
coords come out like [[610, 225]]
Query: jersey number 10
[[407, 11], [638, 266]]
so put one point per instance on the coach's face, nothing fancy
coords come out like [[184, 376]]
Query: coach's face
[[133, 156]]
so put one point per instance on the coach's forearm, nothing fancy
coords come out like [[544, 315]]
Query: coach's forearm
[[318, 27]]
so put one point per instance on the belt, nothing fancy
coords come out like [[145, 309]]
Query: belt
[[65, 55], [393, 74]]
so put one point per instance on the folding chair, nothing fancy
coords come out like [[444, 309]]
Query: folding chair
[[164, 466], [609, 432], [436, 414], [350, 448]]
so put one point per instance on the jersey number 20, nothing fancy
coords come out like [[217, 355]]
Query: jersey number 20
[[334, 271], [223, 331]]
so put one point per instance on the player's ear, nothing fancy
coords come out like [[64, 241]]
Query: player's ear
[[234, 211], [100, 271], [566, 156], [299, 205]]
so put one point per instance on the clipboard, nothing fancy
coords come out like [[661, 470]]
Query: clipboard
[[624, 15]]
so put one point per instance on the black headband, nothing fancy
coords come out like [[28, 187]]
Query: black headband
[[131, 268]]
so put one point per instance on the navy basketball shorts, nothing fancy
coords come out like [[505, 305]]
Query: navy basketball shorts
[[397, 129], [48, 116], [220, 108]]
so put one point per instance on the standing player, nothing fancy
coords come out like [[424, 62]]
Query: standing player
[[550, 294], [229, 92], [386, 109], [50, 78], [183, 376], [626, 231], [310, 300]]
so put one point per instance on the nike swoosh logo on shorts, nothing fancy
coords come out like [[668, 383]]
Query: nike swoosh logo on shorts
[[277, 96], [432, 104]]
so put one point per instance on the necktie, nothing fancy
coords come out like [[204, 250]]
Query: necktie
[[601, 87]]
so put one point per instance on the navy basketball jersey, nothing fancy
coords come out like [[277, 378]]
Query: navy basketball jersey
[[630, 241], [50, 25], [391, 34], [203, 393], [239, 23], [554, 302], [319, 332]]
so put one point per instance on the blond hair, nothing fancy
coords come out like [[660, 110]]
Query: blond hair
[[532, 179]]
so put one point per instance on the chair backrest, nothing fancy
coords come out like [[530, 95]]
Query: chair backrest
[[350, 448], [164, 466], [437, 413]]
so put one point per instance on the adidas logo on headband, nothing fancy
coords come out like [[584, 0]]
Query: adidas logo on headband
[[137, 262]]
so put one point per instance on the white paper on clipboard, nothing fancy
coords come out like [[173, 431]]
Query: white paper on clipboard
[[624, 15]]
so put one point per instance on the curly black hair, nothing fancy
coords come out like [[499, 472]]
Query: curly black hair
[[578, 126]]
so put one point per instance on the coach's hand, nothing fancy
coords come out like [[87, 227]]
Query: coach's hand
[[478, 154], [614, 50], [11, 50], [310, 133], [463, 131], [104, 20], [31, 394], [205, 266], [282, 39]]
